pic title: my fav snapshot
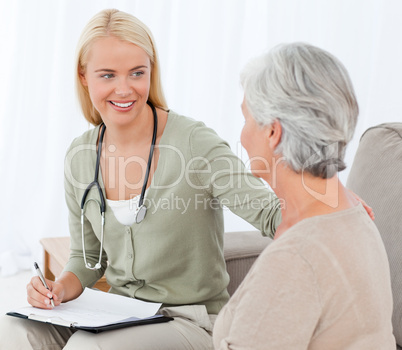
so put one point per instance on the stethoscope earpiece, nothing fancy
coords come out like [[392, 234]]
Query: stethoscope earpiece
[[96, 267]]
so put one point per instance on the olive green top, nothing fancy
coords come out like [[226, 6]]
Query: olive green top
[[175, 255]]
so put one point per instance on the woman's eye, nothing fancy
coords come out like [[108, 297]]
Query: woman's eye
[[107, 76], [137, 74]]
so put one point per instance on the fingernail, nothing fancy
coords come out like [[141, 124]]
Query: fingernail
[[47, 301], [49, 295]]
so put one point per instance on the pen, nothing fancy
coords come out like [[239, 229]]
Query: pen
[[39, 272]]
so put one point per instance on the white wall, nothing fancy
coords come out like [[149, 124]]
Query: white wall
[[203, 46]]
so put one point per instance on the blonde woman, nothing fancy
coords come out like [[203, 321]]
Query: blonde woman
[[162, 178], [324, 282]]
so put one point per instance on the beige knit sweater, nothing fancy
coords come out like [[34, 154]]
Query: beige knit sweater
[[324, 284]]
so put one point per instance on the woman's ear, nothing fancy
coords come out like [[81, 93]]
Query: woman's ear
[[83, 79], [274, 134]]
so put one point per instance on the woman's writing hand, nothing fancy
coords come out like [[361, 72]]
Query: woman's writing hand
[[38, 296]]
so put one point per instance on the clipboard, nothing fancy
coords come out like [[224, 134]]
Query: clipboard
[[95, 312], [97, 329]]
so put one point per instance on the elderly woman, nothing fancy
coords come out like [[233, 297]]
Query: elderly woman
[[324, 282]]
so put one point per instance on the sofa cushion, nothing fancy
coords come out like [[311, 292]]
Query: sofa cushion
[[241, 250], [376, 176]]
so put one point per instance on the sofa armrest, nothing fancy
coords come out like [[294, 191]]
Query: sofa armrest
[[376, 177]]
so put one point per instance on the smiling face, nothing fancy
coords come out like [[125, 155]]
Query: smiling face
[[117, 75]]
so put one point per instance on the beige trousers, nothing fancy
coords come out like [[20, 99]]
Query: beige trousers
[[190, 329]]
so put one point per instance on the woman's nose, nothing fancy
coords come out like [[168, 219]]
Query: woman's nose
[[123, 89]]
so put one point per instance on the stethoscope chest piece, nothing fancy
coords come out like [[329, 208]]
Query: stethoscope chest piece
[[140, 213]]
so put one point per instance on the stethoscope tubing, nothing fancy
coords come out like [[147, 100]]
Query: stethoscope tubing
[[95, 182], [141, 210]]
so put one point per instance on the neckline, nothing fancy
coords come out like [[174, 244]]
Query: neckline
[[310, 220], [132, 199]]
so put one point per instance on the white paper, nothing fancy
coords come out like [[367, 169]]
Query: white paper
[[95, 308]]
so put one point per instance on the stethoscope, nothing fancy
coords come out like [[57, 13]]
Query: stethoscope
[[141, 210]]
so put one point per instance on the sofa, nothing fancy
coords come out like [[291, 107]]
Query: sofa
[[376, 176]]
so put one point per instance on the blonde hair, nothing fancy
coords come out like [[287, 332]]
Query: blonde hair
[[112, 22]]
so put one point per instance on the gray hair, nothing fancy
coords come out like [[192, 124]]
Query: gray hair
[[309, 92]]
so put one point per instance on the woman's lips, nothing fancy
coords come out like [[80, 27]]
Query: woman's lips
[[122, 106]]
